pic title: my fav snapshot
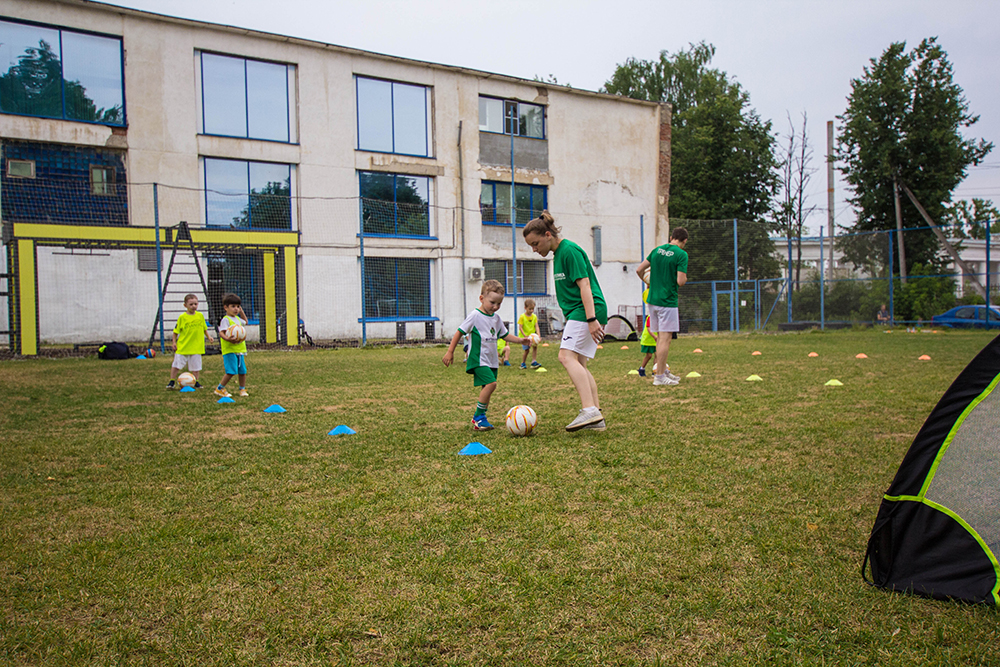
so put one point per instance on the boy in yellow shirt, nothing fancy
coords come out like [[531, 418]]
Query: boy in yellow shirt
[[188, 340], [527, 324]]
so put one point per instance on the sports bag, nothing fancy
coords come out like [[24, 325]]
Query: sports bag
[[113, 351]]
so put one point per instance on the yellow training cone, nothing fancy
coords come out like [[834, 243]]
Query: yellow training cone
[[924, 357], [834, 383], [693, 374], [755, 378], [696, 350], [861, 355], [543, 370], [814, 354], [624, 347], [755, 353], [633, 372]]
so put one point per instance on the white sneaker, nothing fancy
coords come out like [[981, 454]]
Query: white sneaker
[[660, 380], [671, 375], [598, 426], [586, 417]]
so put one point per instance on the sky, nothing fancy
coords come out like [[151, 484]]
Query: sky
[[791, 56]]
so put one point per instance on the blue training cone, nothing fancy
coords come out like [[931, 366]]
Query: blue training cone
[[474, 448], [141, 356], [342, 430], [226, 399], [274, 408], [187, 390]]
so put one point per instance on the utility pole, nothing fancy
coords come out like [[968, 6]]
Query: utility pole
[[899, 230], [829, 190]]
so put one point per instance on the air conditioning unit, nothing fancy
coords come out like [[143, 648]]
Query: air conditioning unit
[[475, 273]]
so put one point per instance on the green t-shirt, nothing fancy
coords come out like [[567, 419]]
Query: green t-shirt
[[227, 347], [190, 330], [570, 263], [665, 261]]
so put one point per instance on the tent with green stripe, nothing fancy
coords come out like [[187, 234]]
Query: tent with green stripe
[[937, 532]]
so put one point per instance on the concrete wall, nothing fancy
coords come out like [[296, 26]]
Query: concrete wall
[[600, 163]]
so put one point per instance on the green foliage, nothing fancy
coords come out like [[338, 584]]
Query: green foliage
[[905, 117], [722, 163], [845, 300], [35, 87], [971, 219], [923, 297], [269, 208]]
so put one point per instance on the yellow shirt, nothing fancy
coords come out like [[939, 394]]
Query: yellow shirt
[[527, 325]]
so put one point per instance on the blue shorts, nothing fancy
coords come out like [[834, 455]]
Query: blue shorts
[[234, 363]]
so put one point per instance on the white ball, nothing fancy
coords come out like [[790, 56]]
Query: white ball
[[534, 339], [238, 332], [521, 420], [186, 380], [645, 275]]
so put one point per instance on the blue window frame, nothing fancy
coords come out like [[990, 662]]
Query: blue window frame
[[397, 289], [494, 202], [394, 204], [393, 117], [246, 98], [532, 275], [50, 72], [523, 119], [248, 195]]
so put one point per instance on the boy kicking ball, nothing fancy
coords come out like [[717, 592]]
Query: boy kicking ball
[[483, 327]]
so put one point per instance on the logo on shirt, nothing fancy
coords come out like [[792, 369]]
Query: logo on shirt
[[665, 253], [560, 276]]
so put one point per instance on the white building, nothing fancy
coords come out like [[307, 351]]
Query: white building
[[281, 138]]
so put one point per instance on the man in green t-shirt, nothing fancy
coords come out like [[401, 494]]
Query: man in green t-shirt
[[668, 265]]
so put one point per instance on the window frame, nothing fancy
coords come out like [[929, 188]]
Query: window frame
[[291, 71], [544, 264], [30, 163], [428, 117], [204, 159], [395, 204], [505, 101], [62, 69], [106, 186], [531, 192], [369, 306]]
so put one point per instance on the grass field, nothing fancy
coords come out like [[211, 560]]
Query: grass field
[[716, 522]]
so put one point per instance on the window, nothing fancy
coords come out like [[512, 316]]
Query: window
[[21, 168], [394, 204], [393, 117], [510, 116], [531, 278], [246, 98], [494, 202], [102, 180], [250, 195], [55, 73], [396, 288]]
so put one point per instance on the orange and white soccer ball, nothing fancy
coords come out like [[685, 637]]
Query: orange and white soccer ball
[[521, 420], [238, 333], [534, 339], [186, 380], [645, 275]]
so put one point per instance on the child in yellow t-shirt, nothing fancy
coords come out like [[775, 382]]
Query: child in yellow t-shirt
[[188, 340], [527, 324], [503, 352]]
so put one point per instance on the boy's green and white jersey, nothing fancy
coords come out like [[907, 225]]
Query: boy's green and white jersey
[[483, 331]]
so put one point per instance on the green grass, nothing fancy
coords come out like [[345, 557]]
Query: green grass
[[717, 522]]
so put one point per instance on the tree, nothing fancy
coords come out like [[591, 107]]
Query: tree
[[269, 207], [966, 219], [796, 172], [904, 120], [722, 163]]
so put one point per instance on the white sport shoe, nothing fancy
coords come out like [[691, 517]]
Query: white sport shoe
[[598, 426], [660, 380], [586, 417]]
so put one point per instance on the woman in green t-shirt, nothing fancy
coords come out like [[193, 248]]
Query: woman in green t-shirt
[[582, 302]]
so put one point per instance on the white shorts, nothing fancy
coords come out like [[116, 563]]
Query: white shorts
[[192, 361], [664, 318], [576, 338]]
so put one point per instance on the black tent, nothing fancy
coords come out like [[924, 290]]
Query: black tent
[[937, 532]]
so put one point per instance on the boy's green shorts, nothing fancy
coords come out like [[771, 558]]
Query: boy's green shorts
[[482, 376], [648, 349]]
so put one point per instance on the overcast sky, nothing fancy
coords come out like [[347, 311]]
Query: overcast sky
[[791, 56]]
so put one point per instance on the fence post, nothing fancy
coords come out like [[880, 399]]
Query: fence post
[[715, 307], [822, 287], [736, 273], [159, 263], [361, 246], [788, 296], [892, 311], [988, 241]]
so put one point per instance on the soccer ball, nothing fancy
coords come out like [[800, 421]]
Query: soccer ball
[[534, 339], [150, 353], [645, 275], [238, 332], [186, 380], [521, 420]]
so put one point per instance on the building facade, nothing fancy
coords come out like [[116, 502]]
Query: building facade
[[398, 179]]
